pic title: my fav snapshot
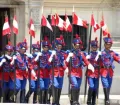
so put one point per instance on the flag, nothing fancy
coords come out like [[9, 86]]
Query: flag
[[6, 27], [45, 22], [60, 22], [68, 26], [31, 28], [15, 25], [53, 20], [94, 23], [78, 21], [104, 27]]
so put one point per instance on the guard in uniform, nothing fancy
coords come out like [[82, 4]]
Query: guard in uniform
[[45, 67], [75, 73], [33, 82], [7, 72], [20, 60], [108, 56], [59, 68], [93, 77]]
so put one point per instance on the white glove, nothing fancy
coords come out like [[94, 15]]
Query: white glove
[[96, 58], [53, 53], [14, 57], [88, 57], [13, 60], [51, 57], [90, 67], [8, 57], [66, 70], [70, 54], [68, 57], [33, 74], [38, 55], [2, 61], [29, 55]]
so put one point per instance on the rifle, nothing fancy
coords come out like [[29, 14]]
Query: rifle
[[85, 91], [15, 71], [99, 63]]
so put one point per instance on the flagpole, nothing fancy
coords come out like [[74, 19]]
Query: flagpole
[[2, 82], [15, 38], [38, 84], [87, 68], [30, 50], [100, 47], [69, 74]]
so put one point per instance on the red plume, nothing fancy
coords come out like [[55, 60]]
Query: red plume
[[76, 36], [25, 40], [9, 43], [109, 36], [45, 38], [38, 42], [61, 37], [96, 39]]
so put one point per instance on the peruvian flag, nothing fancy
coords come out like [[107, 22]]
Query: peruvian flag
[[60, 22], [15, 25], [104, 27], [78, 21], [6, 27], [31, 28], [53, 20], [94, 23], [45, 22], [68, 26]]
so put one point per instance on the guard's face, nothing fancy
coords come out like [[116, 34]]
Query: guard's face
[[35, 51], [22, 50], [77, 46], [9, 52], [94, 48], [108, 46], [45, 48], [59, 47]]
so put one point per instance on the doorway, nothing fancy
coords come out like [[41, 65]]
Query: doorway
[[3, 39]]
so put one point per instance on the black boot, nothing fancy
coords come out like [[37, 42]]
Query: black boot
[[89, 98], [75, 93], [27, 96], [71, 97], [94, 97], [45, 97], [22, 96], [59, 93], [107, 101], [49, 95], [35, 97], [6, 96], [55, 96], [11, 96], [42, 92]]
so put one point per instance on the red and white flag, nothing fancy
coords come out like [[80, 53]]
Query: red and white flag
[[94, 23], [78, 21], [15, 25], [60, 22], [104, 27], [53, 20], [6, 27], [32, 28], [45, 22], [68, 26]]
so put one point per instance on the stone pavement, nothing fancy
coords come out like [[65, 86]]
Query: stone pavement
[[64, 100], [115, 100]]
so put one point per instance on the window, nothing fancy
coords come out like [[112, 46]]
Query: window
[[67, 35]]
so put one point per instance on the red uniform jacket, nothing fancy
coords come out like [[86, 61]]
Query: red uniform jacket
[[106, 62]]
